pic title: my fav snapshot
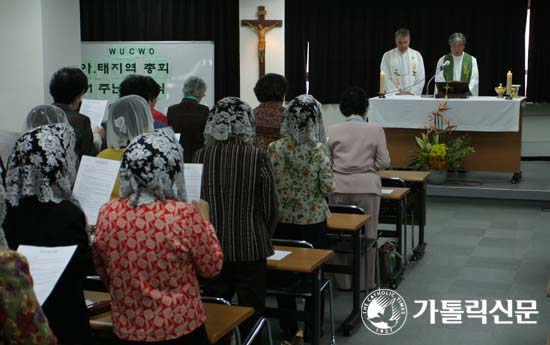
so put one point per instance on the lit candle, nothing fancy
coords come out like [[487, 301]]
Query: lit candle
[[509, 83], [382, 82]]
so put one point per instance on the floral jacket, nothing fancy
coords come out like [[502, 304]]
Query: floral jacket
[[21, 318], [303, 176]]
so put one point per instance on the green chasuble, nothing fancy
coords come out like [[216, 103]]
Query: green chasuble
[[466, 72]]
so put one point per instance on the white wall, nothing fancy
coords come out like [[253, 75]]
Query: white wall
[[21, 56], [275, 45], [60, 38], [37, 37]]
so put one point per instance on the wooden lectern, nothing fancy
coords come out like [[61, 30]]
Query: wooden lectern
[[452, 89]]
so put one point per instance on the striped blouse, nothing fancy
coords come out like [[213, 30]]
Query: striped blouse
[[238, 184]]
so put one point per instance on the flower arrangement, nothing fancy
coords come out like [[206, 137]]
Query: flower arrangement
[[439, 149]]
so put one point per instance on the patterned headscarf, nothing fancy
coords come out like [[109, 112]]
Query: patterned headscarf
[[43, 164], [303, 121], [129, 116], [152, 168], [44, 115], [230, 117]]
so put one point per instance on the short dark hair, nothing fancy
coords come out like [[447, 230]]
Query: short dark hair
[[354, 101], [154, 88], [67, 84], [271, 87], [135, 84]]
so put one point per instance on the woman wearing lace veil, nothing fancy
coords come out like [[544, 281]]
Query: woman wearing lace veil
[[303, 175], [164, 240], [129, 116], [43, 212], [44, 114], [238, 183]]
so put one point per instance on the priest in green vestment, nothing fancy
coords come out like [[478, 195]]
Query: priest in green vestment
[[462, 66]]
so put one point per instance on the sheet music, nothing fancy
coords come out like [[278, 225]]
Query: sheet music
[[94, 109], [387, 191], [46, 265], [279, 255], [193, 180], [94, 184]]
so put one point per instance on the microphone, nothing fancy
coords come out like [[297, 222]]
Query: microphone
[[440, 69]]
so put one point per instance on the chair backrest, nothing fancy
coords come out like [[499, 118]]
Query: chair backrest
[[393, 182], [353, 209], [217, 300], [291, 243]]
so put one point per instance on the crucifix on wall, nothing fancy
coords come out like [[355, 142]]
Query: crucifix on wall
[[261, 26]]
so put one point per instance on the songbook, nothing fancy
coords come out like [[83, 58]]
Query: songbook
[[94, 109], [193, 181], [94, 184], [46, 264], [279, 255]]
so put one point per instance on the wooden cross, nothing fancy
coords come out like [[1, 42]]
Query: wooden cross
[[261, 26]]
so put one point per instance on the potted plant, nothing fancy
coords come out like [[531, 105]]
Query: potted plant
[[440, 149]]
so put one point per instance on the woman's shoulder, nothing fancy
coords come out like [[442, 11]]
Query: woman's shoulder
[[9, 257], [111, 153]]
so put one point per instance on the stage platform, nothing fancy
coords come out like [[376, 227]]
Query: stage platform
[[534, 184]]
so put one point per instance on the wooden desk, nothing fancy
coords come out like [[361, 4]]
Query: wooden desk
[[352, 224], [310, 261], [416, 181], [302, 260], [398, 196], [221, 319], [347, 222]]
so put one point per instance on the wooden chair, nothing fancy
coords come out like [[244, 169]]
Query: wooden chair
[[261, 323], [300, 291], [219, 300]]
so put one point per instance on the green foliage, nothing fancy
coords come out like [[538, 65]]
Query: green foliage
[[440, 131]]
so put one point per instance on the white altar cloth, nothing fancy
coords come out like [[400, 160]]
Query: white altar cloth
[[479, 114]]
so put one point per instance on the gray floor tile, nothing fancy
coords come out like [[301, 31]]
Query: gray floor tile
[[504, 243], [511, 234], [488, 249], [486, 275], [506, 264]]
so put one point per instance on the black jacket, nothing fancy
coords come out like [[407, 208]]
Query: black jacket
[[188, 118], [49, 225]]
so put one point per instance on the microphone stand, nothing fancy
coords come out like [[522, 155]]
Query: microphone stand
[[427, 95], [407, 88]]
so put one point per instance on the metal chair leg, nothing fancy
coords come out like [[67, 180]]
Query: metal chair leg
[[377, 266], [261, 323], [332, 336]]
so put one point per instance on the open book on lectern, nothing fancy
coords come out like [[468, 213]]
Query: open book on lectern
[[453, 89]]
